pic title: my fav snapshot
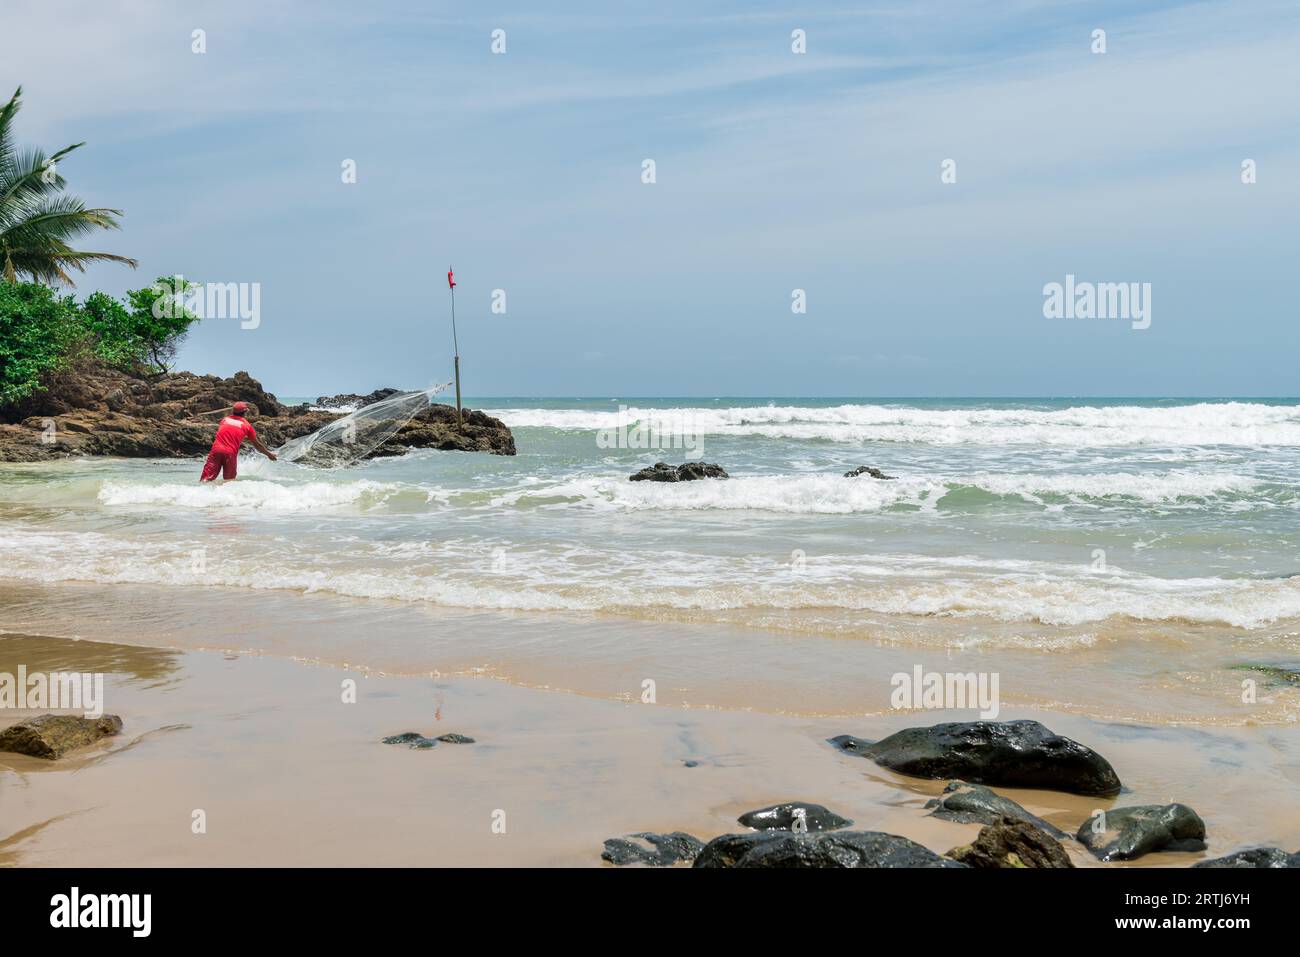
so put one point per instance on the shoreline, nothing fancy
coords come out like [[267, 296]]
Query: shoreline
[[288, 774], [1139, 673]]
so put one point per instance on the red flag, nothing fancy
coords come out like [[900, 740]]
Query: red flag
[[451, 283]]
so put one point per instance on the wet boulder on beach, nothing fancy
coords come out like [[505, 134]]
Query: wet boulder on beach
[[655, 850], [1254, 857], [782, 817], [51, 736], [1125, 833], [1009, 753], [975, 804], [818, 849], [687, 472], [1012, 843]]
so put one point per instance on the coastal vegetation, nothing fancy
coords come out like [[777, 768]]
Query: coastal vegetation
[[42, 331], [38, 219]]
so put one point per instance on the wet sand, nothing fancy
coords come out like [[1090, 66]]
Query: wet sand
[[289, 774]]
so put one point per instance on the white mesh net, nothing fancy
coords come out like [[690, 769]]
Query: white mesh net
[[349, 439]]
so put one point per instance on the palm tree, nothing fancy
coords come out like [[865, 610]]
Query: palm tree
[[37, 220]]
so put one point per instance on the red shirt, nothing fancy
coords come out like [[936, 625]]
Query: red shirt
[[231, 435]]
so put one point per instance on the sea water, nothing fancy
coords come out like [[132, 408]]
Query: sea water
[[1162, 535]]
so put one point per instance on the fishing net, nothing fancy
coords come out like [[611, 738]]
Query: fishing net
[[349, 439]]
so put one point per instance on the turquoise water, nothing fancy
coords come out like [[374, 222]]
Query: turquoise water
[[1046, 523]]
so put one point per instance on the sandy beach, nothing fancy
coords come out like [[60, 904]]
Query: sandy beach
[[286, 773]]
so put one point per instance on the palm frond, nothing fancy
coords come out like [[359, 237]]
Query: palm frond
[[7, 114], [37, 219]]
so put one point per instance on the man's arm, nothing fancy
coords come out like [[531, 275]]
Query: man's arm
[[256, 443]]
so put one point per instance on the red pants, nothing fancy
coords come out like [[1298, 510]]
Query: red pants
[[223, 462]]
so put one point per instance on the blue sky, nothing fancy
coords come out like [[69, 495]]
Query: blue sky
[[775, 172]]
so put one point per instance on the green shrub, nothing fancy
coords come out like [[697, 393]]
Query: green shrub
[[112, 338], [156, 326], [41, 332], [38, 332]]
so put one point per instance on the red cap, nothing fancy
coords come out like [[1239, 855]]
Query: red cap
[[241, 406]]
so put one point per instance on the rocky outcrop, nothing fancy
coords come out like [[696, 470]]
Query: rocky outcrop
[[835, 849], [351, 401], [688, 472], [100, 411], [782, 817], [1254, 857], [655, 850], [868, 470], [52, 736], [974, 803], [1124, 833], [1012, 843], [1011, 753]]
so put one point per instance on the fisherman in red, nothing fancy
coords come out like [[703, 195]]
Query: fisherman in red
[[224, 456]]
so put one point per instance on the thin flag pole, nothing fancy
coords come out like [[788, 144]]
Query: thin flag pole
[[451, 286]]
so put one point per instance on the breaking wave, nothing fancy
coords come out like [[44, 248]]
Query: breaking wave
[[1197, 424]]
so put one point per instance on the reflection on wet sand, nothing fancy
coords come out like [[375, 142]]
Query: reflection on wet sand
[[154, 666]]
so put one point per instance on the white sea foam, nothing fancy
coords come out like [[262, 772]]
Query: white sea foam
[[248, 494], [795, 494], [836, 495], [1204, 423], [838, 588]]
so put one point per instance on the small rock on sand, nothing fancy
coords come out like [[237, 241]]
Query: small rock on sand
[[834, 849], [974, 803], [1254, 857], [1125, 833], [781, 817], [53, 735], [1012, 843], [418, 742], [656, 850]]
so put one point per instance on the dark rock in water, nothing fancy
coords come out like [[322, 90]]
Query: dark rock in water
[[92, 409], [688, 472], [1125, 833], [350, 401], [1011, 753], [1012, 843], [657, 850], [1274, 673], [1255, 857], [455, 739], [818, 849], [691, 764], [781, 817], [976, 804], [51, 736], [868, 470]]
